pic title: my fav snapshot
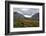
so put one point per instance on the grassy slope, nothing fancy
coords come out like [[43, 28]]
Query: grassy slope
[[26, 23]]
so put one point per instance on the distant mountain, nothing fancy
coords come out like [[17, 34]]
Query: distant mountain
[[18, 15], [35, 16]]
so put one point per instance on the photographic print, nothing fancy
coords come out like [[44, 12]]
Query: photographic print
[[26, 17]]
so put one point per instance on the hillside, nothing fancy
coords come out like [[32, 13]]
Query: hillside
[[21, 21]]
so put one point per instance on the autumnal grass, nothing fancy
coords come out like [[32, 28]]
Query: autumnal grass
[[26, 23]]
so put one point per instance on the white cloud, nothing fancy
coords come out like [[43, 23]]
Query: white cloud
[[27, 16]]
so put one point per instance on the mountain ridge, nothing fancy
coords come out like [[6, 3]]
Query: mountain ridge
[[20, 16]]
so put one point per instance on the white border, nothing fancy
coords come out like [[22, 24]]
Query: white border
[[27, 28]]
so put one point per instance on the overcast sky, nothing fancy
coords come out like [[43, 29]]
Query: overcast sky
[[26, 11]]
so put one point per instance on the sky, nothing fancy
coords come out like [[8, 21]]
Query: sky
[[27, 12]]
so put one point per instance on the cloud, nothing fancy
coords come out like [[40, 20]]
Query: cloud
[[27, 16], [27, 11]]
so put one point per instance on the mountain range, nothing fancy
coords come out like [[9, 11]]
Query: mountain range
[[20, 16]]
